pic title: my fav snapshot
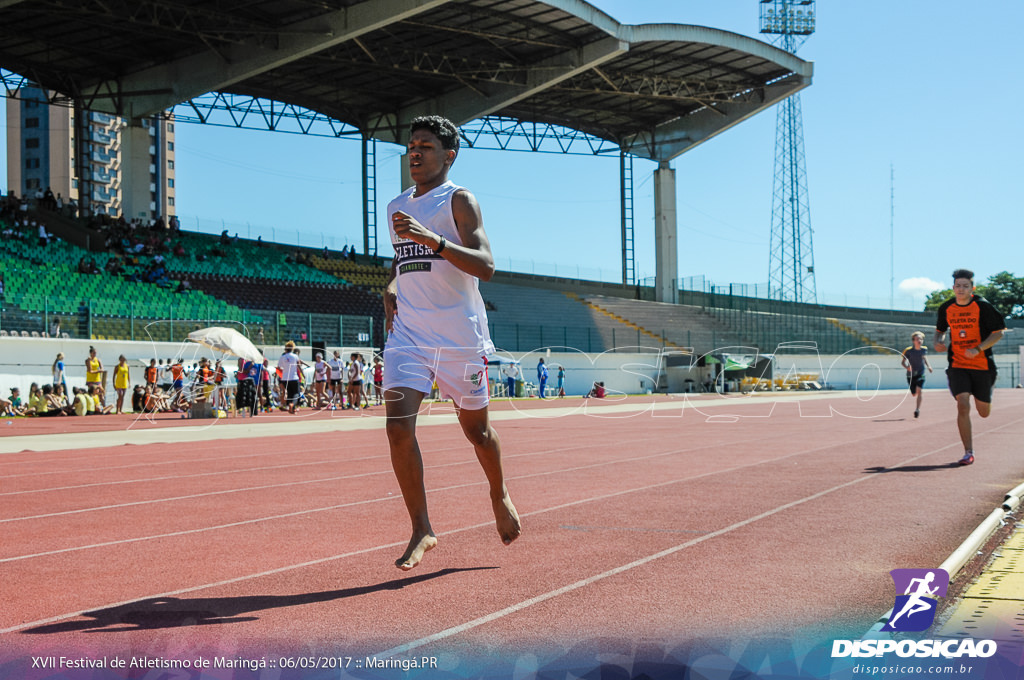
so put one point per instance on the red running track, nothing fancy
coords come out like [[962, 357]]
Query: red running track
[[643, 521]]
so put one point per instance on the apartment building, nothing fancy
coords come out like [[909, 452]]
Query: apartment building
[[97, 160]]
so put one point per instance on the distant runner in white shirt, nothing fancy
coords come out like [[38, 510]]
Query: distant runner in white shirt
[[288, 365], [321, 372], [337, 369], [437, 326], [355, 382]]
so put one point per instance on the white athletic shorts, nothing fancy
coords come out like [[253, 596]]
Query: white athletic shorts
[[460, 374]]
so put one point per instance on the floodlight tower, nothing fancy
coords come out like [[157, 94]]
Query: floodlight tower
[[791, 265]]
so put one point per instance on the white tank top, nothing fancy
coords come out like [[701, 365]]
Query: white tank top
[[439, 305]]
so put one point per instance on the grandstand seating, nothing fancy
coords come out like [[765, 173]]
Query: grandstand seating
[[262, 295], [675, 325], [43, 281], [251, 282], [240, 257], [523, 317], [366, 275]]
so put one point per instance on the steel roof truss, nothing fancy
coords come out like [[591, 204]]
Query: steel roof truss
[[197, 74]]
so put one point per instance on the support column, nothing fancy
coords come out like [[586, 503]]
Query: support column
[[136, 178], [666, 248], [369, 195], [406, 177]]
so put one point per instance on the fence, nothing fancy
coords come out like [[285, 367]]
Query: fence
[[93, 318]]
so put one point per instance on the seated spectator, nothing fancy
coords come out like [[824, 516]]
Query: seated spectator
[[157, 401], [94, 404], [80, 405], [183, 286], [36, 400], [61, 399], [138, 399], [52, 406], [6, 407], [17, 407]]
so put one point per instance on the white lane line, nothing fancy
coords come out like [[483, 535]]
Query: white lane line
[[551, 594], [612, 408], [508, 610], [512, 609], [468, 625], [188, 497], [432, 414], [434, 450], [257, 520], [142, 480], [90, 461]]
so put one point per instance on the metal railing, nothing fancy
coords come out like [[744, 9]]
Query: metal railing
[[35, 316]]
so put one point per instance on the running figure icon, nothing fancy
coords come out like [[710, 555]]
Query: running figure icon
[[915, 609], [916, 602]]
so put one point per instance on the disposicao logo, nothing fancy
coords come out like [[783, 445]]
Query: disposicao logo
[[914, 610]]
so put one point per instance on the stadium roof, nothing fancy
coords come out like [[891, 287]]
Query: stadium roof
[[655, 90]]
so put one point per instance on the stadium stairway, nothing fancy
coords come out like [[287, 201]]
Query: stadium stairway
[[680, 326], [865, 340], [659, 340]]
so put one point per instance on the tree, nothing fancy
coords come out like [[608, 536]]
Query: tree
[[936, 298], [1004, 290]]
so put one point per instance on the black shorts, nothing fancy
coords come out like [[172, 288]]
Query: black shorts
[[291, 389], [978, 383], [916, 381]]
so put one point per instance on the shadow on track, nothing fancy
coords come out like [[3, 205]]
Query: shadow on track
[[172, 612], [912, 468]]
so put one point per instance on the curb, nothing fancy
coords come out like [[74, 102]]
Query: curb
[[968, 549]]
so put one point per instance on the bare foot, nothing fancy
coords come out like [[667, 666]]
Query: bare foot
[[418, 546], [507, 519]]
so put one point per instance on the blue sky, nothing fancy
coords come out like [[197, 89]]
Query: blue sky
[[927, 88]]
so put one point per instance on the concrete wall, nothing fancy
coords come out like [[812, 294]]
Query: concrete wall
[[24, 361], [861, 370], [620, 371], [27, 360]]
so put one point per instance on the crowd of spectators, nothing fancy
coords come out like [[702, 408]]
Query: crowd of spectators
[[25, 230], [12, 206], [172, 386]]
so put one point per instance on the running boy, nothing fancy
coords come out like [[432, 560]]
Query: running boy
[[437, 326], [915, 360], [974, 326]]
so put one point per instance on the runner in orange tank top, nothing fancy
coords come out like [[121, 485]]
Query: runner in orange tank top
[[974, 326]]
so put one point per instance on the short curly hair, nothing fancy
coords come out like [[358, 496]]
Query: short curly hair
[[963, 274], [442, 128]]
